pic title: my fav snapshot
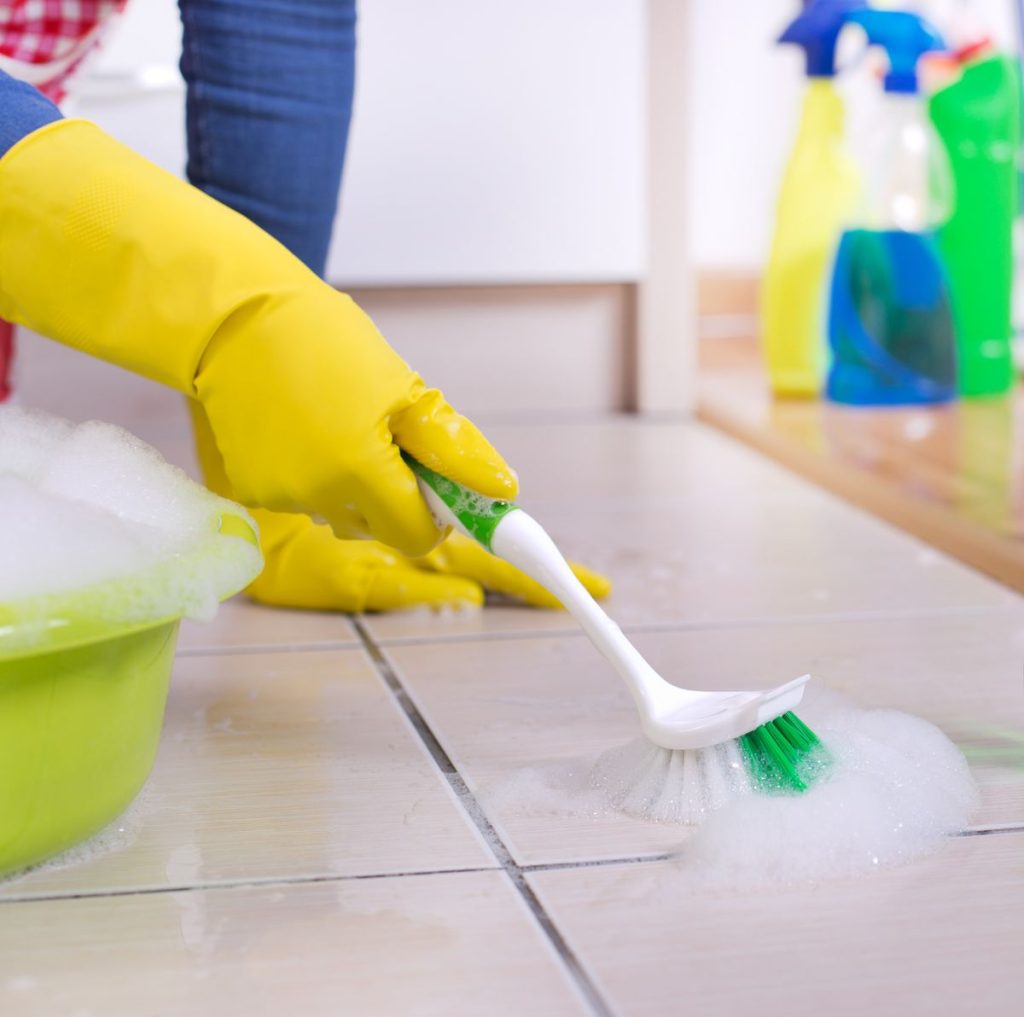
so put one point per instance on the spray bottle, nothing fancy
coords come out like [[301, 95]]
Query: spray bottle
[[890, 320], [978, 119], [818, 190]]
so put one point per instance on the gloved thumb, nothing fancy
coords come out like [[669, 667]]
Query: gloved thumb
[[450, 444]]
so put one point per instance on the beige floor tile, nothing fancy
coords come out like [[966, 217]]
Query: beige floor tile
[[502, 706], [242, 625], [694, 529], [439, 944], [941, 937], [278, 765]]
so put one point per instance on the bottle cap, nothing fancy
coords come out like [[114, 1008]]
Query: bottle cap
[[817, 31], [905, 37]]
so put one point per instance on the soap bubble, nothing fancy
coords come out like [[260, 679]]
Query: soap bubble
[[896, 788], [94, 521]]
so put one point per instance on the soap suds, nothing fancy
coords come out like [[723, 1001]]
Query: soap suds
[[895, 789], [898, 787], [92, 508]]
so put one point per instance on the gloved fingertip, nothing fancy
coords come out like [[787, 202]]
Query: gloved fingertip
[[397, 589], [490, 475], [443, 439], [459, 593], [540, 598], [597, 585]]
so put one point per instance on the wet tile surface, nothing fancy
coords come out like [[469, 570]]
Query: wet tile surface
[[501, 707], [940, 937], [241, 625], [437, 944], [271, 766], [694, 529], [330, 825]]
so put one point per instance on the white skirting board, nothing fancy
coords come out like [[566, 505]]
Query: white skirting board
[[496, 351], [515, 350]]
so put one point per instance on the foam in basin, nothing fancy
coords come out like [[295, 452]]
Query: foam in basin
[[91, 507]]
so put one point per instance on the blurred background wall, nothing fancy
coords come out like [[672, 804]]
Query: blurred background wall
[[498, 214]]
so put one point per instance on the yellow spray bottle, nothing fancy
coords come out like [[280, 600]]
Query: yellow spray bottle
[[819, 188]]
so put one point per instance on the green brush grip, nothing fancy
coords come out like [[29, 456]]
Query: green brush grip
[[477, 513]]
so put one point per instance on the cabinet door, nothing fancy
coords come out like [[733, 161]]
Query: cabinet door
[[499, 143], [496, 143]]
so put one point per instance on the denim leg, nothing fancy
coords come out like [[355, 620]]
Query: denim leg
[[268, 107], [23, 109]]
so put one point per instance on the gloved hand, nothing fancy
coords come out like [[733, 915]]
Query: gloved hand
[[306, 566], [106, 252]]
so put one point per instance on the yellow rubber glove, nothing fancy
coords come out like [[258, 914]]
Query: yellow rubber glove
[[308, 567], [106, 252]]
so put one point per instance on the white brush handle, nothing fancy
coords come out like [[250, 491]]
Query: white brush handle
[[520, 540], [507, 531]]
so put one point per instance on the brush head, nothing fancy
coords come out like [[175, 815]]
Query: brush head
[[677, 718], [646, 780], [671, 785], [783, 755]]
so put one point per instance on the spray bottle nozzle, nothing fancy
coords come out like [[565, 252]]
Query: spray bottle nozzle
[[817, 31], [905, 37]]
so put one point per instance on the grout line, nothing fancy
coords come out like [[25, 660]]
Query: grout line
[[596, 863], [476, 814], [500, 850], [259, 881], [992, 828], [527, 869], [351, 643], [233, 884], [653, 628]]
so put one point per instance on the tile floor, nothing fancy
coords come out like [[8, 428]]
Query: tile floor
[[318, 834], [952, 469]]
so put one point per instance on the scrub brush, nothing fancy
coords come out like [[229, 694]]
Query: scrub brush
[[757, 729]]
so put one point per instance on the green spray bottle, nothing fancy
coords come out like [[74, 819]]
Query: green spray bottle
[[978, 119]]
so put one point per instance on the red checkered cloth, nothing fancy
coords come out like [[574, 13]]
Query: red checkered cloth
[[6, 358], [49, 38], [43, 42]]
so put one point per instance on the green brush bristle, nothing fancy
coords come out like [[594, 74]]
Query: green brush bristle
[[778, 755]]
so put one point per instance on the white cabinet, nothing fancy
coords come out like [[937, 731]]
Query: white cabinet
[[496, 142], [502, 153], [492, 142]]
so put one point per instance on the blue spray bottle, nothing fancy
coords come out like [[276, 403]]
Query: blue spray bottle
[[891, 325]]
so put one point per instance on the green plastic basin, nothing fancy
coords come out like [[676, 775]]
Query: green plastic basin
[[81, 710], [79, 731]]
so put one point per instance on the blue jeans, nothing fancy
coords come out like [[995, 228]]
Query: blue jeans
[[267, 109], [23, 110]]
